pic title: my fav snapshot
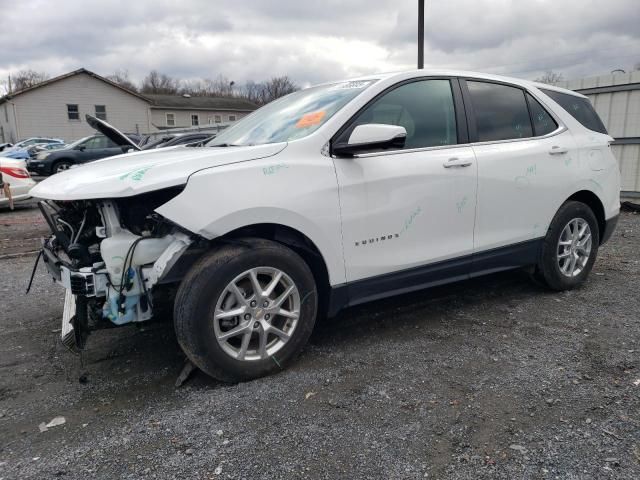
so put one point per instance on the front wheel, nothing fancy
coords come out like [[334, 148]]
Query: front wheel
[[62, 166], [245, 310], [570, 247]]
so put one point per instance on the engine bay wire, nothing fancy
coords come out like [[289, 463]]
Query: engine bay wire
[[84, 219], [73, 232], [125, 271]]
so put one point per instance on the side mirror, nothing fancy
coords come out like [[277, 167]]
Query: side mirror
[[81, 148], [372, 136]]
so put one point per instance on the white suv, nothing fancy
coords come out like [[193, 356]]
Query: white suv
[[329, 197]]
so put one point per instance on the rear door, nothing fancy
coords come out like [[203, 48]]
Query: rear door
[[522, 151], [406, 210]]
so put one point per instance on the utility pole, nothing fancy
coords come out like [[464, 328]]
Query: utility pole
[[420, 34]]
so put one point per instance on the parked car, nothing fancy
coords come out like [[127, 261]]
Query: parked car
[[31, 141], [43, 147], [82, 151], [5, 145], [333, 196], [14, 173], [31, 151], [174, 139], [166, 140], [20, 154]]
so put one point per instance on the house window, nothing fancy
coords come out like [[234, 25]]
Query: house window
[[195, 120], [72, 111], [171, 120], [232, 118], [218, 118], [101, 112]]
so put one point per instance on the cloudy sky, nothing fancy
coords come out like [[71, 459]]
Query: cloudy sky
[[318, 40]]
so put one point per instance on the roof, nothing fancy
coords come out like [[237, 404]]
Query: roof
[[403, 75], [200, 103], [80, 71]]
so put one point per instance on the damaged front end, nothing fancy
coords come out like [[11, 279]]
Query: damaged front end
[[111, 256]]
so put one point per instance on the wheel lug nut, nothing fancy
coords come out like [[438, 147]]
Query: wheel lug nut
[[265, 304], [247, 316], [267, 316], [256, 325], [253, 303]]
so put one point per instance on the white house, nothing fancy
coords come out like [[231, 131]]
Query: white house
[[57, 107]]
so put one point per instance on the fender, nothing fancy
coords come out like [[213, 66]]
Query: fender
[[282, 190]]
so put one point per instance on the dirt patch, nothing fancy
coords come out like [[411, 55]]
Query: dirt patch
[[494, 378]]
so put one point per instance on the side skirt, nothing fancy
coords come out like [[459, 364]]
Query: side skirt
[[434, 274]]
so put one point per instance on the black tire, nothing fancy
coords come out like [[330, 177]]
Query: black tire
[[61, 166], [548, 270], [201, 288]]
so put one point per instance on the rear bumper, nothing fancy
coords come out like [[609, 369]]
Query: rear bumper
[[609, 227]]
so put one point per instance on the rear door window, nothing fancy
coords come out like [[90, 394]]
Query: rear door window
[[579, 108], [500, 111], [543, 123]]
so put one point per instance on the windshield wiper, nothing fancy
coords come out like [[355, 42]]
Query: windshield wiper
[[226, 145]]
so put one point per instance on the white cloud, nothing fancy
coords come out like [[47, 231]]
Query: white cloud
[[316, 41]]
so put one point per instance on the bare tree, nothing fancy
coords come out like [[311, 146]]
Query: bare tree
[[550, 77], [121, 77], [265, 92], [25, 79], [252, 91], [206, 87], [156, 82]]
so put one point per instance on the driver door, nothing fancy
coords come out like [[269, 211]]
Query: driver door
[[408, 213]]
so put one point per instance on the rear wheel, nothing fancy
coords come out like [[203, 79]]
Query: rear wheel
[[245, 310], [570, 247]]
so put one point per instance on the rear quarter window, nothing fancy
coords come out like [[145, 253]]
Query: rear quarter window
[[579, 108]]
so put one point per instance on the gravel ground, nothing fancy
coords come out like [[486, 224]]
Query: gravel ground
[[492, 378]]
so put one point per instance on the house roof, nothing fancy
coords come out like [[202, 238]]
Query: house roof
[[178, 102], [181, 102], [80, 71]]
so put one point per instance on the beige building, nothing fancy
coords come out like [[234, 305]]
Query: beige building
[[616, 98], [173, 111], [56, 108]]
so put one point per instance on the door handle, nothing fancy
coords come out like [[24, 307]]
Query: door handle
[[556, 150], [456, 162]]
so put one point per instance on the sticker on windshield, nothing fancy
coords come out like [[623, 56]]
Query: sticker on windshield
[[353, 84], [311, 119]]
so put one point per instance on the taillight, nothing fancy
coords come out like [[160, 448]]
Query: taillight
[[15, 172]]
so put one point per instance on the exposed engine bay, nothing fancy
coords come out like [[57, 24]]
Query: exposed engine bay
[[111, 256]]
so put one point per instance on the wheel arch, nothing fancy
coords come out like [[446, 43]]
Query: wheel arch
[[296, 241], [55, 162], [595, 204]]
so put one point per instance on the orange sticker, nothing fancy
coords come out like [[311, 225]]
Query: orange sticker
[[310, 119]]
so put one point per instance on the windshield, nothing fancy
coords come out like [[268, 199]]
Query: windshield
[[293, 116], [78, 142]]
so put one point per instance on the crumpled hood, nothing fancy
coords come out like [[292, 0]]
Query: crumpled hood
[[141, 172]]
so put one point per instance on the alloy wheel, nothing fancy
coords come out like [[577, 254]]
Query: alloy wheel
[[256, 314], [574, 247]]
